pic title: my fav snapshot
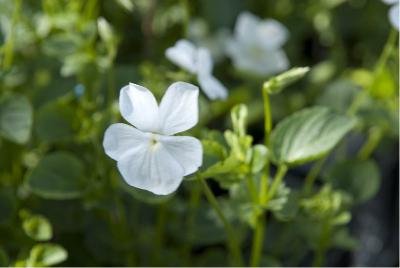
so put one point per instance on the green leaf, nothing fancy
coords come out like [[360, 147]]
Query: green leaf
[[15, 118], [308, 135], [339, 95], [47, 254], [359, 178], [259, 158], [37, 227], [57, 176], [55, 122]]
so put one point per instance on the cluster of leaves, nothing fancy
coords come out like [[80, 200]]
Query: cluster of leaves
[[62, 201]]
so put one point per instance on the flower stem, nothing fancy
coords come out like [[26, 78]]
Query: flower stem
[[319, 257], [258, 241], [374, 137], [232, 241], [312, 175], [259, 231]]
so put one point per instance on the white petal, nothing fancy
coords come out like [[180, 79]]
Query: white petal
[[212, 87], [152, 168], [183, 54], [139, 107], [272, 34], [245, 28], [121, 139], [179, 108], [187, 151], [204, 61], [394, 16]]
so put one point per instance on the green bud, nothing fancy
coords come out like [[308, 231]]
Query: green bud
[[277, 83]]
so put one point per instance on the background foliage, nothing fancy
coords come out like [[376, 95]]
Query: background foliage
[[62, 201]]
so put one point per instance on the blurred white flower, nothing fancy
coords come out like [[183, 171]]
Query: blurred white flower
[[256, 46], [197, 61], [394, 12], [147, 155], [200, 34]]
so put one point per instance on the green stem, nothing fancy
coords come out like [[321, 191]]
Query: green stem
[[282, 169], [232, 242], [9, 44], [312, 175], [259, 231], [319, 257], [258, 236], [258, 239], [267, 116], [374, 137], [387, 50]]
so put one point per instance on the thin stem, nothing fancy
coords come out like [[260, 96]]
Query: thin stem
[[9, 44], [258, 236], [258, 240], [259, 231], [232, 242], [267, 116], [319, 257], [374, 137], [282, 169], [313, 174], [387, 50]]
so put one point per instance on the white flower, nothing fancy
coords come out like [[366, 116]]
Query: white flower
[[197, 61], [394, 12], [256, 46], [148, 156]]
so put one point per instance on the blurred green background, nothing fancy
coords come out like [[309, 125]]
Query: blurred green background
[[62, 200]]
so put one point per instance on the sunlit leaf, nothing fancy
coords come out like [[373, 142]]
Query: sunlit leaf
[[308, 135], [15, 118], [47, 255]]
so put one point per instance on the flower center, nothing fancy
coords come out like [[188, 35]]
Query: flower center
[[153, 141]]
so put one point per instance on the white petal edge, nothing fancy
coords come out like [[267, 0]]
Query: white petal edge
[[394, 15], [139, 107], [153, 169], [187, 151], [212, 87], [179, 108], [122, 139], [183, 54], [245, 28], [272, 34]]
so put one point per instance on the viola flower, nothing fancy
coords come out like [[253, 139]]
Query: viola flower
[[148, 156], [197, 61], [394, 12], [256, 46]]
